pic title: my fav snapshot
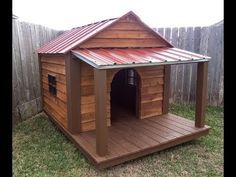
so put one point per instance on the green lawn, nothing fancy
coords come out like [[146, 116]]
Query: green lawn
[[40, 149]]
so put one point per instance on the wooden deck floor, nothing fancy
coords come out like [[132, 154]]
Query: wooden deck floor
[[132, 138]]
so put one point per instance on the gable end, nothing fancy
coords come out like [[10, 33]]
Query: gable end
[[127, 32]]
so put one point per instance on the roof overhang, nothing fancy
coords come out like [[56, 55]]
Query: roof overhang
[[127, 58]]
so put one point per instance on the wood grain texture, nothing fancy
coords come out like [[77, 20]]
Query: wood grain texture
[[57, 104], [124, 34], [73, 94], [91, 125], [100, 89], [87, 99], [201, 94], [204, 40], [133, 139], [166, 95], [56, 60], [151, 90], [120, 43]]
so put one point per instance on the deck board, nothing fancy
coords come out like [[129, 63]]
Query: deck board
[[128, 146], [166, 124], [164, 128], [136, 132], [147, 132], [132, 138]]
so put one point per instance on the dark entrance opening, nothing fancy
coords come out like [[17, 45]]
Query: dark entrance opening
[[124, 95]]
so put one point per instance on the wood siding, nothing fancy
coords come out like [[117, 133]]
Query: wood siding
[[87, 99], [151, 91], [55, 105], [125, 33]]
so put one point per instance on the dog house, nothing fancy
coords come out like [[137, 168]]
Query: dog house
[[106, 86]]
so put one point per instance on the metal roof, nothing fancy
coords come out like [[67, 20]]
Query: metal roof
[[74, 37], [134, 57], [70, 39]]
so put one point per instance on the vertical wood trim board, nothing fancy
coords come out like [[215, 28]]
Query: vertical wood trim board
[[100, 89], [73, 94], [166, 94], [201, 94]]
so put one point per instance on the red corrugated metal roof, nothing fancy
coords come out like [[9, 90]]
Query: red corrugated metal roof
[[70, 39], [119, 58], [74, 37]]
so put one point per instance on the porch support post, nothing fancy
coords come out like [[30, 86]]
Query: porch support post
[[100, 89], [166, 95], [201, 94], [73, 94]]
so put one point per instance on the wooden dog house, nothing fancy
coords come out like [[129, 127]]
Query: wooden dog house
[[106, 85]]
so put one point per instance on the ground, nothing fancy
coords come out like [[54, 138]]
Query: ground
[[40, 149]]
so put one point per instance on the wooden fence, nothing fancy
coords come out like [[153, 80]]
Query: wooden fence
[[28, 37], [204, 40]]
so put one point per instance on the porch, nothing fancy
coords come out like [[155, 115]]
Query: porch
[[132, 138]]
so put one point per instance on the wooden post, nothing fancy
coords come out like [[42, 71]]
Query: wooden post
[[100, 89], [201, 94], [166, 95], [73, 94]]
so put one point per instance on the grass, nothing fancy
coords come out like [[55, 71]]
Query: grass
[[40, 149]]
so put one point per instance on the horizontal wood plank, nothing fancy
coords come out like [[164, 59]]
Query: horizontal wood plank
[[126, 26], [151, 97], [54, 68], [114, 42], [87, 90], [129, 34], [87, 80], [152, 73], [59, 95], [151, 90], [55, 115], [56, 104], [59, 77], [53, 60], [150, 68], [59, 86], [151, 105], [150, 113], [87, 126], [87, 99], [152, 81]]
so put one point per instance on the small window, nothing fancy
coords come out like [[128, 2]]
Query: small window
[[52, 85]]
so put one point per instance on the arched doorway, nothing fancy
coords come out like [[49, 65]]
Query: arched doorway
[[125, 95]]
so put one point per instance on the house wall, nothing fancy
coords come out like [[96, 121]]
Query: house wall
[[151, 93], [55, 106], [127, 32], [151, 90], [87, 97]]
